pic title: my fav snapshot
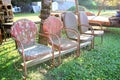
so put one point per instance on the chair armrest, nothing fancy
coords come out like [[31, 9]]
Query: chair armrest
[[51, 37], [73, 31], [90, 27], [99, 24], [20, 45]]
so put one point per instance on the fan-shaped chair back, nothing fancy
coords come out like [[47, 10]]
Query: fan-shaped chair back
[[24, 31], [83, 21], [70, 21], [53, 25]]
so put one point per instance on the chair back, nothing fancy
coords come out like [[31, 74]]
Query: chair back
[[53, 25], [84, 21], [24, 31], [70, 21]]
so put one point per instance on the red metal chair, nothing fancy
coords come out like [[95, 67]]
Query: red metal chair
[[24, 33], [53, 27]]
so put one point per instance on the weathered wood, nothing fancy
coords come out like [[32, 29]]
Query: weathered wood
[[48, 57]]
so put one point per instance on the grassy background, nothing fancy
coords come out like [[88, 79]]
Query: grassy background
[[101, 63], [30, 16]]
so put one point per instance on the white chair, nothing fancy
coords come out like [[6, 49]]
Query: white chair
[[85, 30], [70, 21]]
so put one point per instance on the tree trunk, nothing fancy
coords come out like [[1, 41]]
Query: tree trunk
[[44, 14]]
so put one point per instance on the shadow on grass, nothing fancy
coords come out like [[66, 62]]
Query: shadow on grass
[[101, 63], [7, 56]]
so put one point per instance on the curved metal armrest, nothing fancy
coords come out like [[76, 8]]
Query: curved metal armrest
[[99, 24], [90, 27], [21, 45], [55, 37], [51, 37], [73, 31]]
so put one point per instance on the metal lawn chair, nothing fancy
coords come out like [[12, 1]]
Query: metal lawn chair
[[54, 26], [24, 33], [70, 21], [85, 30]]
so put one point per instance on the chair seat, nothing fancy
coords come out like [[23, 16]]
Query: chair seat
[[65, 43], [96, 32], [85, 44], [84, 37], [37, 50]]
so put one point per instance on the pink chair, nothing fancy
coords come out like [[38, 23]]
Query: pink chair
[[24, 33], [53, 27]]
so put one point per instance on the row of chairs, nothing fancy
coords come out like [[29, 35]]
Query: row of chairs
[[87, 32], [24, 32]]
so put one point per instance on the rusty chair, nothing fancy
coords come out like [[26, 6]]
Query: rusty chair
[[85, 26], [70, 21], [24, 33], [53, 27]]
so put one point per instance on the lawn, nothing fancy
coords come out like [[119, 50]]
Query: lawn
[[30, 16], [100, 63]]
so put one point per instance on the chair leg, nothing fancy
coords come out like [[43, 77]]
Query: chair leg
[[59, 57], [78, 51], [25, 71], [53, 59], [92, 44], [21, 69]]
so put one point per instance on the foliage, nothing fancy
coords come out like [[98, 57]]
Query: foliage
[[101, 63], [87, 3], [91, 4], [17, 2], [24, 1], [81, 8], [109, 2]]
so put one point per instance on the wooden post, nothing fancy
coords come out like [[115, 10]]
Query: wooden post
[[101, 7], [78, 14]]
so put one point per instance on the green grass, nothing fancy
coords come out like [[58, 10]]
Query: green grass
[[30, 16], [26, 14], [101, 63]]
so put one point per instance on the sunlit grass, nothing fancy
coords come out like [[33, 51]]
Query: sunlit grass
[[30, 16], [100, 63]]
